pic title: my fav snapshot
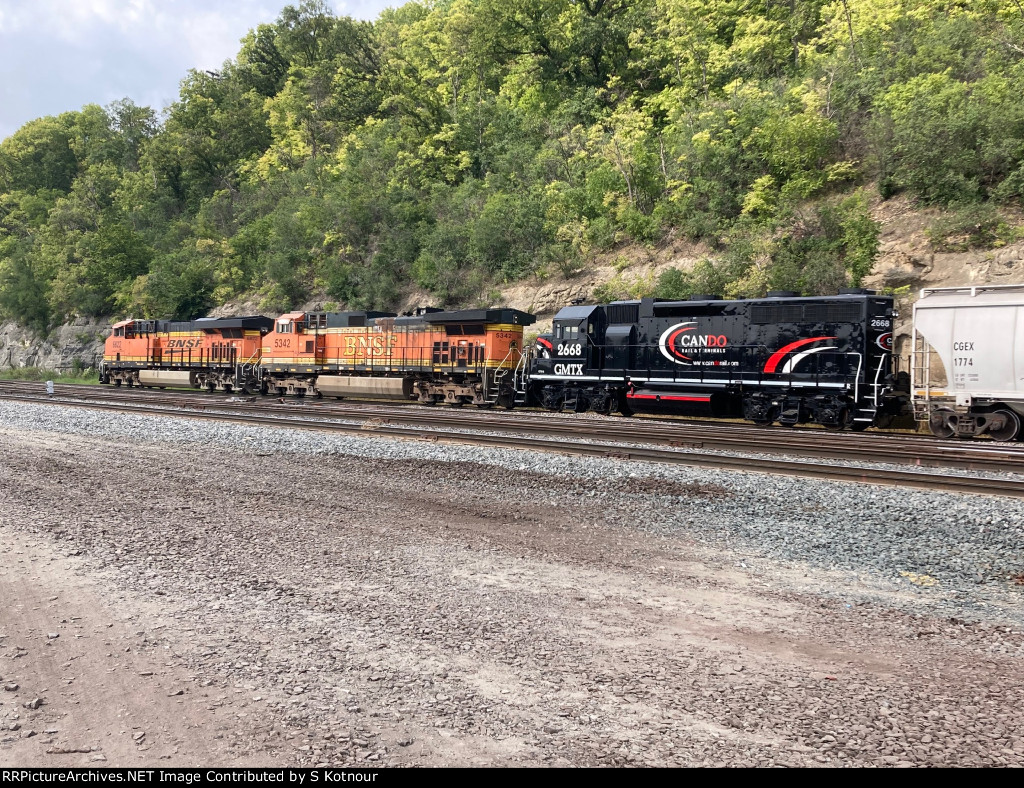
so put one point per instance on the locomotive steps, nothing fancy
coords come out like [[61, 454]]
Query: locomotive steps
[[687, 444]]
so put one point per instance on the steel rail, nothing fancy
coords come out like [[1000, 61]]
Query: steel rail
[[846, 473], [896, 449]]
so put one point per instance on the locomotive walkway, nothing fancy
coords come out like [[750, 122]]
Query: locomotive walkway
[[850, 457]]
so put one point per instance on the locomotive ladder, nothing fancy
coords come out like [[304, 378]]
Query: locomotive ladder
[[519, 378], [518, 372], [877, 387], [251, 366]]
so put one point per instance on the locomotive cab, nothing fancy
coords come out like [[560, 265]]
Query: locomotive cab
[[576, 339], [130, 346]]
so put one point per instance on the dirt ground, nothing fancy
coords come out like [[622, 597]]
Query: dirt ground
[[161, 608]]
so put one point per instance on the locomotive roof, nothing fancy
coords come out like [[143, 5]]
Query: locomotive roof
[[578, 312], [350, 319], [845, 296], [513, 316], [217, 323]]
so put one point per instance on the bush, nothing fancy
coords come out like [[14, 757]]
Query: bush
[[971, 227]]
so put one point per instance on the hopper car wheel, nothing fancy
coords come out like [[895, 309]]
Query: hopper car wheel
[[117, 383], [939, 424], [1010, 425], [485, 405], [860, 426]]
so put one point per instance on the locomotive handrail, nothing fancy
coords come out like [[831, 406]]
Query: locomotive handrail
[[878, 373]]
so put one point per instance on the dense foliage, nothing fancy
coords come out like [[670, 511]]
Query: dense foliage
[[458, 143]]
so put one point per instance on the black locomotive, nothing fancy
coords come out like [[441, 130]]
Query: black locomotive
[[825, 359]]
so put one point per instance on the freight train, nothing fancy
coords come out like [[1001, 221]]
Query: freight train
[[782, 358]]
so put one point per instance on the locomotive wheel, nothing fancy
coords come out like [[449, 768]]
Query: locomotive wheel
[[884, 421], [768, 419], [1010, 427], [840, 422], [939, 424]]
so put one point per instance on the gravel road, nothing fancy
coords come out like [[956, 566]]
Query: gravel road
[[176, 592]]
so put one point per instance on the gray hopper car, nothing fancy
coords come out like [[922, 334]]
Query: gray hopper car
[[967, 363]]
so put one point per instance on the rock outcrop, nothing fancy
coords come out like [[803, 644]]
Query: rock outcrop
[[69, 348]]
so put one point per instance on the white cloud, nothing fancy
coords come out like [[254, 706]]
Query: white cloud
[[58, 55]]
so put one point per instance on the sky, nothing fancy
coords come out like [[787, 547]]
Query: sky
[[58, 55]]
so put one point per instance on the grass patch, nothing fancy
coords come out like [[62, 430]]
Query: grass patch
[[35, 373], [979, 226]]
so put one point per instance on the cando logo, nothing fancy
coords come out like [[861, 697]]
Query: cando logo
[[681, 339]]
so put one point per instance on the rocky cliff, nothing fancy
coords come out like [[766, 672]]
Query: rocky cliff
[[66, 349]]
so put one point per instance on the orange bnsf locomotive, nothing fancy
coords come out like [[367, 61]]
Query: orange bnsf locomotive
[[210, 353], [461, 357]]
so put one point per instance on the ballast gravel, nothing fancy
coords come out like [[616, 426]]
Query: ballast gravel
[[404, 603], [975, 544]]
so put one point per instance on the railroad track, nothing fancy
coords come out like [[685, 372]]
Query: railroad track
[[896, 448], [677, 444]]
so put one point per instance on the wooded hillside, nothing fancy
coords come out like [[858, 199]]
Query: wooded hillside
[[460, 143]]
